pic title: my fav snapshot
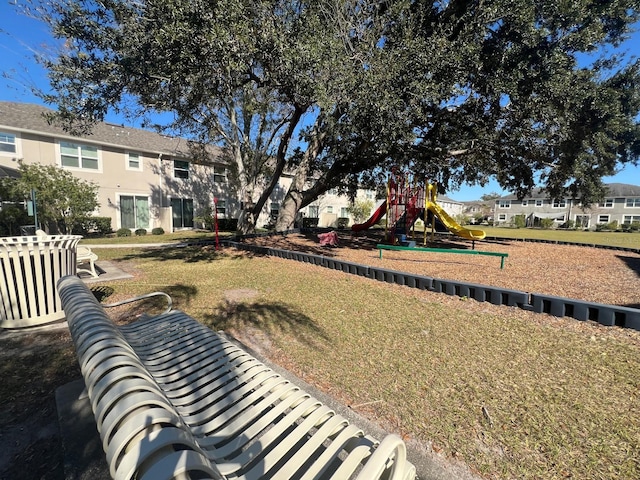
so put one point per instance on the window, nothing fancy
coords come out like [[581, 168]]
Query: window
[[7, 143], [134, 212], [313, 211], [368, 195], [329, 209], [582, 221], [608, 203], [561, 218], [633, 202], [219, 174], [221, 207], [525, 203], [274, 210], [74, 155], [133, 161], [559, 204], [628, 219], [504, 203], [539, 203], [182, 212], [502, 217], [180, 169], [333, 191], [344, 212], [603, 218]]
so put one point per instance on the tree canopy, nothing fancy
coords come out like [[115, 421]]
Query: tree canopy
[[61, 199], [337, 92]]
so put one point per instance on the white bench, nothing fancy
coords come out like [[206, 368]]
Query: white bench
[[85, 255], [173, 399]]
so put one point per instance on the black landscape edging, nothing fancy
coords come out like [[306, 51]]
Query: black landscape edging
[[608, 315], [562, 242]]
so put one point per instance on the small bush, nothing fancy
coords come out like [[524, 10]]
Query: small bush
[[140, 232], [228, 224], [123, 232], [157, 231], [635, 226], [519, 221], [342, 222], [546, 223]]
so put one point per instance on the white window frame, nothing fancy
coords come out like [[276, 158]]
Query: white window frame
[[17, 153], [504, 203], [219, 174], [600, 218], [181, 169], [560, 219], [79, 147], [127, 161], [221, 208], [629, 219], [539, 202], [330, 209], [274, 209], [525, 203], [344, 212], [313, 209], [135, 196], [632, 202], [607, 203], [562, 203], [502, 217]]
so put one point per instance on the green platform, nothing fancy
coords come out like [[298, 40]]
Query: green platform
[[382, 247]]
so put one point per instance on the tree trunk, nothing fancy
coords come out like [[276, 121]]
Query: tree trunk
[[293, 200]]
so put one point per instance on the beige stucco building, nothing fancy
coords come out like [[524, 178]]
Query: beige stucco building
[[145, 179]]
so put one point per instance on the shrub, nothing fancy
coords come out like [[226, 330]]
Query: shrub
[[141, 232], [11, 217], [95, 226], [546, 223], [342, 222], [228, 224], [310, 222], [157, 231], [518, 221], [123, 232], [635, 226]]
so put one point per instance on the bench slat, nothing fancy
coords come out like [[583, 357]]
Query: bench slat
[[171, 396]]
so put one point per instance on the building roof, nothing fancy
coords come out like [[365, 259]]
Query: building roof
[[613, 190], [28, 117]]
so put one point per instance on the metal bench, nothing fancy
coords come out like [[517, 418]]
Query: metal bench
[[173, 399], [85, 255]]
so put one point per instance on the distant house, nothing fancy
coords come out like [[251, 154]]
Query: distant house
[[622, 205], [479, 211]]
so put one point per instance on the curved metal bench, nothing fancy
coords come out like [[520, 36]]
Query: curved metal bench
[[173, 399]]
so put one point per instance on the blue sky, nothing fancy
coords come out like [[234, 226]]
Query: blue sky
[[21, 37]]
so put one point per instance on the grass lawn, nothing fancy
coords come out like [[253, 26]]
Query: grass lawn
[[511, 393], [619, 239]]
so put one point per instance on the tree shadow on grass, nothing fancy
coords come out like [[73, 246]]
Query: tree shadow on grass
[[273, 319], [180, 295], [633, 263], [192, 254]]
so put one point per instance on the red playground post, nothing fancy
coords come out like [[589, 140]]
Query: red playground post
[[215, 221]]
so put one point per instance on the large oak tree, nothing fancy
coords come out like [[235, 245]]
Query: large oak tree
[[337, 92]]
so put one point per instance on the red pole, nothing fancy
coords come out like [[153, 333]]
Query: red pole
[[215, 221]]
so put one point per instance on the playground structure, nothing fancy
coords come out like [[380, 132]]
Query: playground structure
[[406, 202]]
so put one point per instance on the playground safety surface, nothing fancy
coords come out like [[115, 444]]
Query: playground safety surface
[[579, 272]]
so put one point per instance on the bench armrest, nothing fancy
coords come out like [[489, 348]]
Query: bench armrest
[[143, 297]]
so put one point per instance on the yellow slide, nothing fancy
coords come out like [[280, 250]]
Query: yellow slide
[[453, 226]]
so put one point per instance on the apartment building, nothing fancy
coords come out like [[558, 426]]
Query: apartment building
[[145, 179], [621, 204]]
